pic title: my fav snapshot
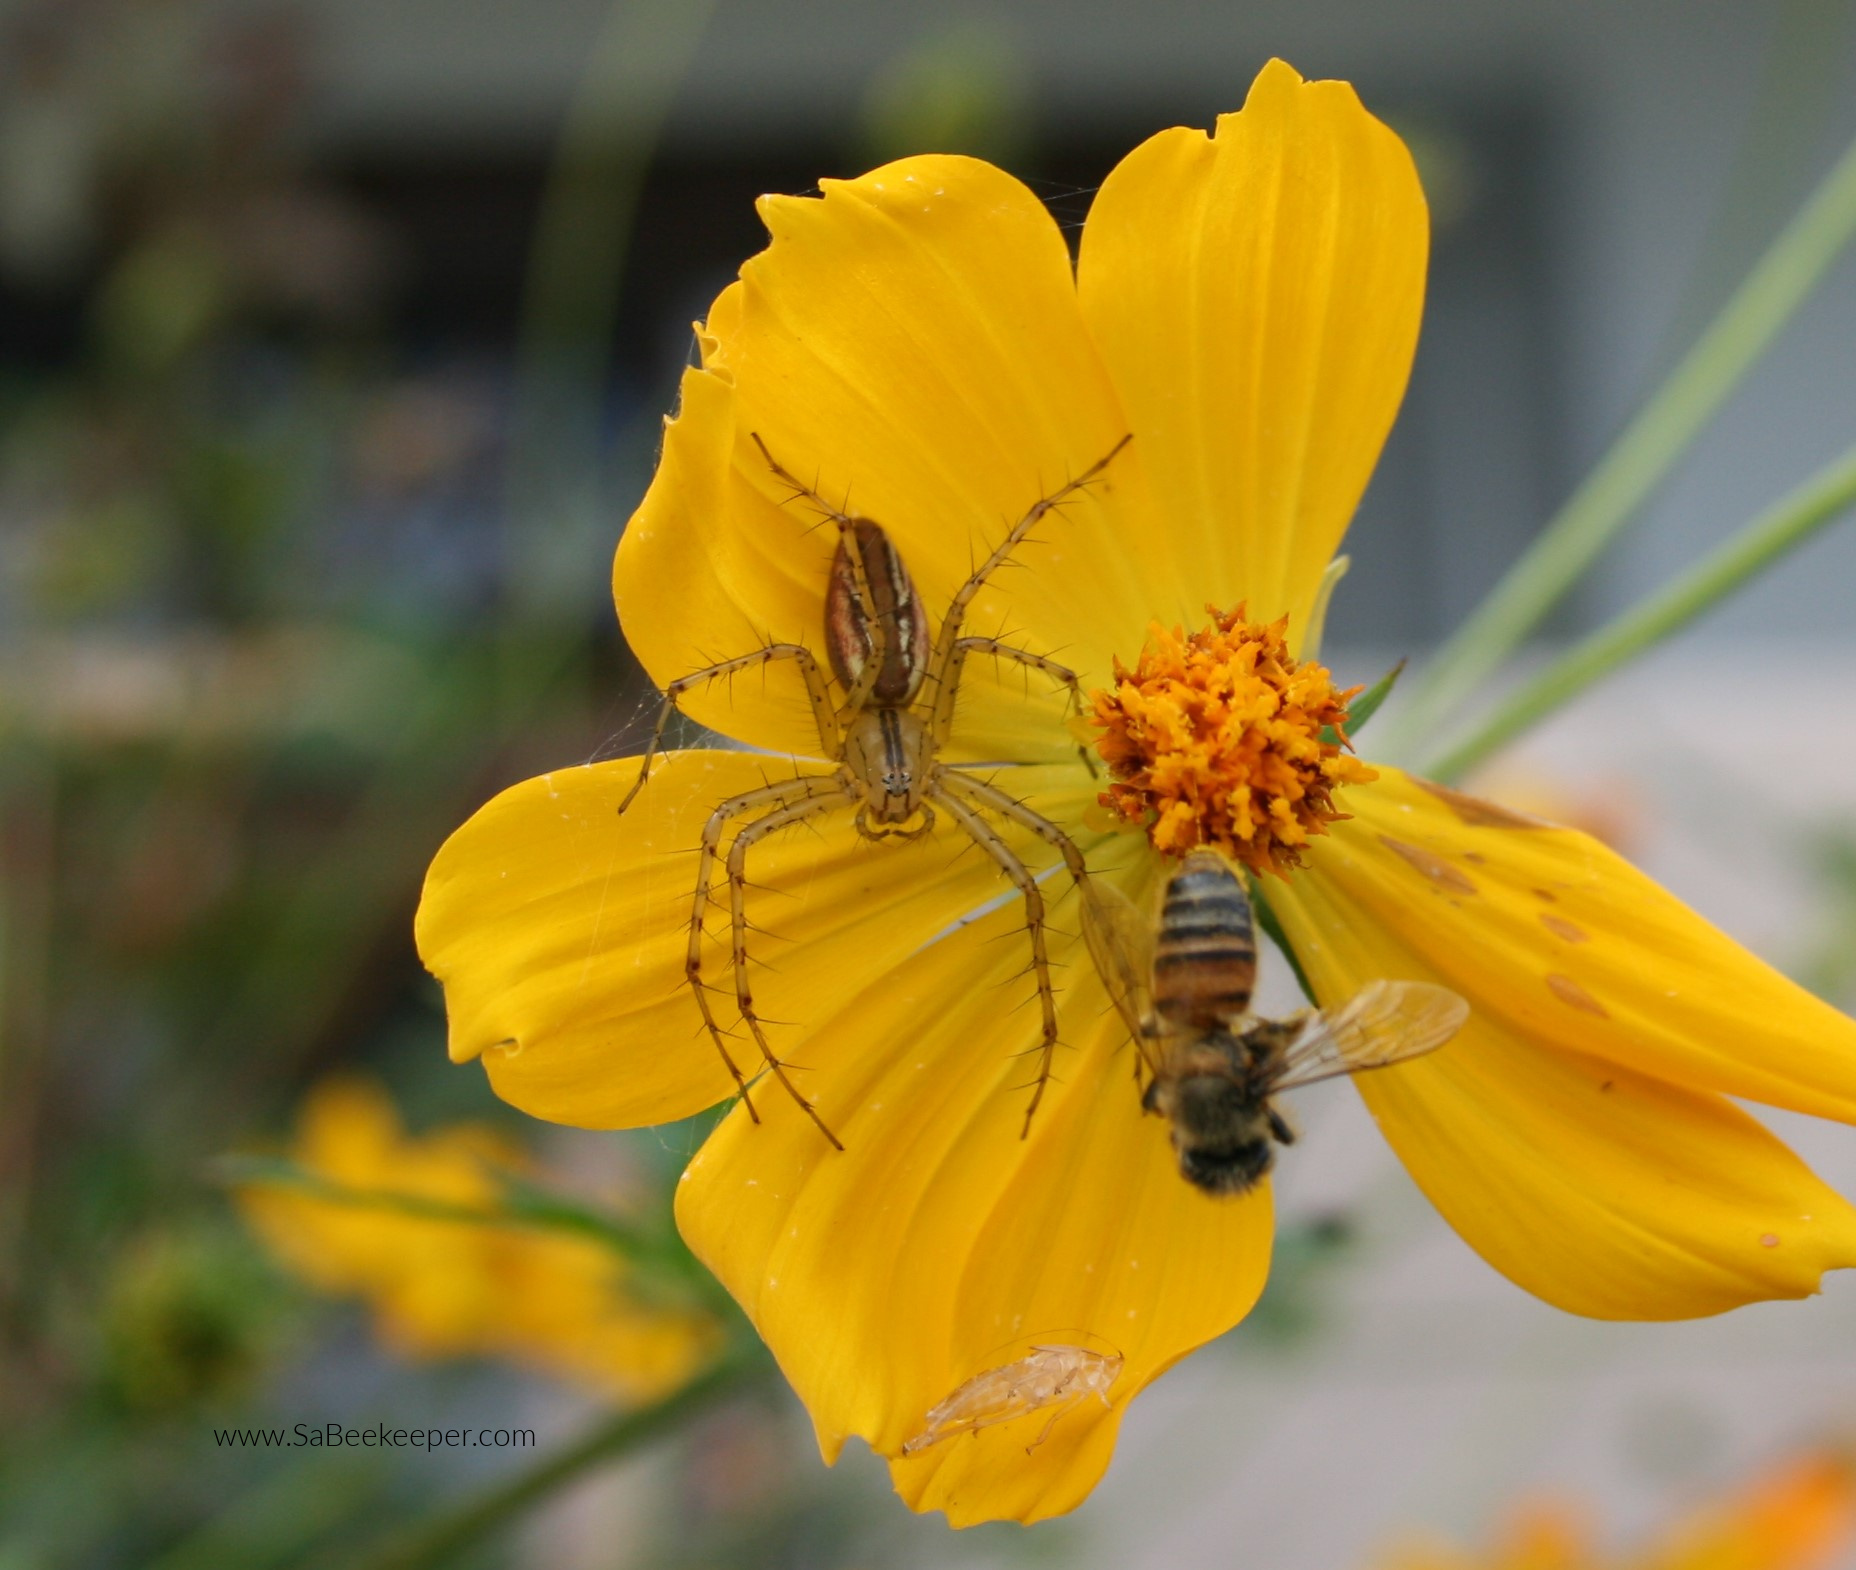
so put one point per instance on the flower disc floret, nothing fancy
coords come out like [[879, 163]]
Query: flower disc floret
[[1225, 739]]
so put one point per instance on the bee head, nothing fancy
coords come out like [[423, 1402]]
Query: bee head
[[1225, 1169], [1221, 1131]]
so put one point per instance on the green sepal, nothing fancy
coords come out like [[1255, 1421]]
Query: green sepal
[[1363, 708], [1266, 918]]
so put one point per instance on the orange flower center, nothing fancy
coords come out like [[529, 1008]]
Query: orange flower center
[[1224, 739]]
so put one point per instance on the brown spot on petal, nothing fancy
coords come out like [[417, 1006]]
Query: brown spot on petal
[[1575, 996], [1561, 928], [1480, 814], [1432, 866], [1475, 856], [1546, 894], [1769, 1240]]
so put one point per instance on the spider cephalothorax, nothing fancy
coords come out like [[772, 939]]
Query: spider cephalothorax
[[884, 737]]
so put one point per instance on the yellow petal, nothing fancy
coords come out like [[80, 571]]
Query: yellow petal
[[1603, 1190], [1256, 295], [939, 1244], [711, 566], [559, 930], [910, 345], [1573, 946]]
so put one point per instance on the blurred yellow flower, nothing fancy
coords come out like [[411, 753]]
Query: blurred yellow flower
[[1246, 306], [442, 1287], [1800, 1515]]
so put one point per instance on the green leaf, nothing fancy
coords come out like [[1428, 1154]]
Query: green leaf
[[1364, 707], [1266, 919], [665, 1267], [1789, 523], [1662, 430]]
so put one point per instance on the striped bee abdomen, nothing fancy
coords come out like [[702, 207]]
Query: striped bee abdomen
[[1205, 955]]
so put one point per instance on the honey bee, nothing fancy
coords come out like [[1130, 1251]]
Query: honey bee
[[1183, 983]]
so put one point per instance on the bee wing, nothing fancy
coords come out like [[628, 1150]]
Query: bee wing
[[1384, 1022], [1121, 942]]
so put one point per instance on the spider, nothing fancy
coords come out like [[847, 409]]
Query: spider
[[884, 737]]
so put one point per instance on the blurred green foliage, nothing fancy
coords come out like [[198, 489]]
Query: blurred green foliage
[[963, 86], [281, 603], [258, 663]]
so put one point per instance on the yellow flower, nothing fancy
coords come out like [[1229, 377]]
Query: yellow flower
[[441, 1287], [1246, 306], [1800, 1515]]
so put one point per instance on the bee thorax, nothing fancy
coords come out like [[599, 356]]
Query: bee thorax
[[1209, 1107], [1222, 1129]]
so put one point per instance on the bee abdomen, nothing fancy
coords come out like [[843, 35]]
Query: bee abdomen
[[1205, 955]]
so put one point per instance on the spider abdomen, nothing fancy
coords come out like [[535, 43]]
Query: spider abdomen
[[850, 637]]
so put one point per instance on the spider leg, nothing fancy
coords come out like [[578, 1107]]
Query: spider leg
[[806, 788], [816, 691], [981, 793], [942, 660], [943, 721], [989, 840], [859, 694], [828, 791]]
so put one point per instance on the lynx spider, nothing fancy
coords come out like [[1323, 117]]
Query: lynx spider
[[884, 737]]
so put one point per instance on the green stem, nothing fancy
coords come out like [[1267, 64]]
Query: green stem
[[570, 302], [657, 1253], [1638, 460], [441, 1536], [1774, 533]]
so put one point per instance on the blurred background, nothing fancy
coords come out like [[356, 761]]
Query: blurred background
[[334, 339]]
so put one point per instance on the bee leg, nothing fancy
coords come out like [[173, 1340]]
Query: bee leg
[[1279, 1126]]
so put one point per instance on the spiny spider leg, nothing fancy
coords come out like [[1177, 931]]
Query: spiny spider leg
[[943, 723], [816, 692], [833, 795], [807, 789], [941, 662], [978, 793], [983, 794], [882, 633], [989, 840]]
